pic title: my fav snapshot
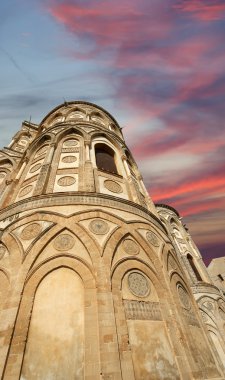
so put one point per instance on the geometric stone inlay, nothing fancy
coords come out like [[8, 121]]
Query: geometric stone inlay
[[99, 226], [41, 151], [70, 143], [184, 297], [204, 316], [113, 186], [138, 284], [31, 231], [222, 314], [64, 242], [142, 310], [131, 247], [2, 251], [66, 181], [171, 263], [152, 238], [209, 305], [26, 190], [69, 159], [35, 168]]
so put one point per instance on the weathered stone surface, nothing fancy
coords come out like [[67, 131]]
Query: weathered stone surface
[[92, 284]]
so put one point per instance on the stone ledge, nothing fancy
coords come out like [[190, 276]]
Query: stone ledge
[[79, 198], [204, 287]]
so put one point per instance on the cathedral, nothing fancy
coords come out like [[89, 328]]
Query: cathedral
[[96, 281]]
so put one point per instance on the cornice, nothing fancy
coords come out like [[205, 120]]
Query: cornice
[[168, 207], [93, 199], [80, 102]]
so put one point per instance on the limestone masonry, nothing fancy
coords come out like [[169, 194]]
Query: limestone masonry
[[97, 282]]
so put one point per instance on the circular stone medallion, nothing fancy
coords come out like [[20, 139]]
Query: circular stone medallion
[[64, 242], [26, 190], [66, 181], [35, 168], [70, 143], [31, 231], [2, 175], [69, 159], [23, 142], [152, 238], [138, 284], [2, 251], [184, 297], [131, 247], [113, 186], [98, 227]]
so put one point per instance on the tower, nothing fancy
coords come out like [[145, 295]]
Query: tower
[[91, 283]]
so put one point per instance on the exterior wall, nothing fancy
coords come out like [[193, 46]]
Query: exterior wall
[[205, 285], [216, 271], [91, 285]]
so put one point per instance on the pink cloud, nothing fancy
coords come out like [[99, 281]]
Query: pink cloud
[[108, 24], [191, 187], [201, 10], [165, 67]]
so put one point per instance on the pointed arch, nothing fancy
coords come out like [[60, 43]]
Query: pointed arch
[[26, 306], [105, 158]]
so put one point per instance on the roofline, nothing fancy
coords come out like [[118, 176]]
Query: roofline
[[168, 207], [80, 102]]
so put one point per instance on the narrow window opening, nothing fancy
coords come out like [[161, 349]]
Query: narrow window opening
[[191, 262], [105, 158]]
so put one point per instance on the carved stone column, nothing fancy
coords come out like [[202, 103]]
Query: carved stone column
[[88, 174], [44, 172]]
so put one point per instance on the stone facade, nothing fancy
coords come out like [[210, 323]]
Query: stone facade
[[95, 281], [216, 271]]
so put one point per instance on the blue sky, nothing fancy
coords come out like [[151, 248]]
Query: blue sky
[[157, 66]]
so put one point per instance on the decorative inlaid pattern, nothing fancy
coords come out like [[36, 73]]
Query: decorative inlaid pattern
[[64, 242], [42, 151], [66, 181], [69, 159], [35, 168], [98, 227], [113, 186], [222, 314], [70, 143], [184, 297], [71, 150], [222, 304], [152, 238], [204, 316], [130, 247], [142, 310], [138, 284], [31, 231], [209, 305], [2, 251], [23, 142], [26, 190], [172, 263], [75, 199]]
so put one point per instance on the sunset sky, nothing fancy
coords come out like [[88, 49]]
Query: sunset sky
[[158, 66]]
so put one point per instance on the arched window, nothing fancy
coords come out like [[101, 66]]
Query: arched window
[[191, 262], [105, 158]]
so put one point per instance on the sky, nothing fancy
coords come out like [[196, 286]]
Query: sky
[[158, 66]]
